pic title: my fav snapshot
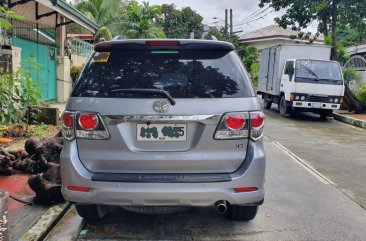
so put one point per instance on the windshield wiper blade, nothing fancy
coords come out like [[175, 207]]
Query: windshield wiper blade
[[311, 72], [147, 91]]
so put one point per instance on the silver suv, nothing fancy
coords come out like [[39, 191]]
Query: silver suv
[[157, 125]]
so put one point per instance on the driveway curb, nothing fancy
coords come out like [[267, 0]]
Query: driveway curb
[[350, 120], [46, 222]]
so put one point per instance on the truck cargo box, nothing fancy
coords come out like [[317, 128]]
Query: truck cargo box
[[273, 59]]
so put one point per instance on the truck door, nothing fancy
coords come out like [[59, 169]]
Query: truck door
[[271, 70]]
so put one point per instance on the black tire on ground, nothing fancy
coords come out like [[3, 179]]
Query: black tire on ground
[[284, 109], [267, 102], [241, 213], [325, 113], [91, 212]]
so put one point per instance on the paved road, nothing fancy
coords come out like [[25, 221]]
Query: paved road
[[301, 203]]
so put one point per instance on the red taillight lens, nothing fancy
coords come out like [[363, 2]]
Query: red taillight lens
[[68, 119], [245, 189], [88, 121], [235, 122], [162, 43], [78, 188], [257, 119]]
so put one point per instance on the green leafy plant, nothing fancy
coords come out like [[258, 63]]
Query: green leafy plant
[[18, 91], [350, 74], [75, 71], [361, 94]]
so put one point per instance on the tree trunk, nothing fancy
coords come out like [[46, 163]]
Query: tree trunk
[[334, 54]]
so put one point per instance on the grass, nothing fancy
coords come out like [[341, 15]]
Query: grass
[[40, 131]]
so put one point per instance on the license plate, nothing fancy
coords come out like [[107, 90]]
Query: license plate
[[317, 105], [162, 132]]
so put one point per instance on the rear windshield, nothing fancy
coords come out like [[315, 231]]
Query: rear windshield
[[181, 73]]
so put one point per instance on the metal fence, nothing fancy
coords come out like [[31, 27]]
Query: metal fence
[[80, 47]]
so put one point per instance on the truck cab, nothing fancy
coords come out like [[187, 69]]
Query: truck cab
[[300, 78], [312, 85]]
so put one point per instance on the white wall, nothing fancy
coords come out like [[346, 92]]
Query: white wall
[[78, 60]]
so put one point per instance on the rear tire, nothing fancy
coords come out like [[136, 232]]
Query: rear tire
[[267, 102], [91, 212], [242, 213], [284, 109]]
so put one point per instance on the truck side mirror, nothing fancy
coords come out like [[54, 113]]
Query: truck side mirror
[[290, 73], [348, 77]]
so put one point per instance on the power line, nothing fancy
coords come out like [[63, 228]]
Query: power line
[[254, 19], [259, 11]]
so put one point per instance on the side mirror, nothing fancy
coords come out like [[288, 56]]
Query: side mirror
[[291, 72], [348, 77]]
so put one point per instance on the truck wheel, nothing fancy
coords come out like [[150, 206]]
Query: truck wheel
[[284, 109], [325, 113], [241, 213], [267, 102], [91, 212]]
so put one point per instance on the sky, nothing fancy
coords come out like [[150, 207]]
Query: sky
[[242, 10]]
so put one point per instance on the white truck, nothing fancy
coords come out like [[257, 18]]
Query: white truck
[[300, 77]]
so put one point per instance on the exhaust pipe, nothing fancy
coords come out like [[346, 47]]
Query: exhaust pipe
[[221, 206]]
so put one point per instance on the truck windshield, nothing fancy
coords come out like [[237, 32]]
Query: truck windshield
[[318, 71]]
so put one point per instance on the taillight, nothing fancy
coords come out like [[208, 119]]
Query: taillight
[[88, 121], [90, 126], [68, 125], [235, 121], [257, 123], [68, 119], [233, 126]]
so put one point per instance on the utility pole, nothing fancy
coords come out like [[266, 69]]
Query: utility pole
[[226, 24], [231, 23]]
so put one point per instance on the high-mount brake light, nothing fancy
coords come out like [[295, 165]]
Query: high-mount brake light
[[235, 121], [88, 121], [162, 43]]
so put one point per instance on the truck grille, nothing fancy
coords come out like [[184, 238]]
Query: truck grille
[[314, 98]]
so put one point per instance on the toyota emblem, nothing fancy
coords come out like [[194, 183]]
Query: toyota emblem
[[161, 106]]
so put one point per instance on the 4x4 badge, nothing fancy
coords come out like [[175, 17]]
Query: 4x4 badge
[[161, 106]]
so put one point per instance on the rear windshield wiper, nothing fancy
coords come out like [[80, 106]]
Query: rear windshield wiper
[[147, 91]]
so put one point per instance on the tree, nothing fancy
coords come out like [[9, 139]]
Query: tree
[[181, 23], [348, 35], [6, 16], [329, 13], [106, 13], [142, 21]]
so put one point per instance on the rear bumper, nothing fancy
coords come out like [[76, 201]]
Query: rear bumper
[[250, 174], [315, 105]]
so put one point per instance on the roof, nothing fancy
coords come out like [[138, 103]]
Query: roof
[[47, 12], [76, 16], [271, 32]]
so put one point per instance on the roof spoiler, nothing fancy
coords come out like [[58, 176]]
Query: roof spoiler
[[164, 44]]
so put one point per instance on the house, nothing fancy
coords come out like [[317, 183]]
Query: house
[[42, 35], [272, 35]]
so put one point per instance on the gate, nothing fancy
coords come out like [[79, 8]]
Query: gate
[[35, 43]]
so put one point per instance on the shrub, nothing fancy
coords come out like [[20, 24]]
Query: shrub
[[75, 71], [18, 91], [361, 94]]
